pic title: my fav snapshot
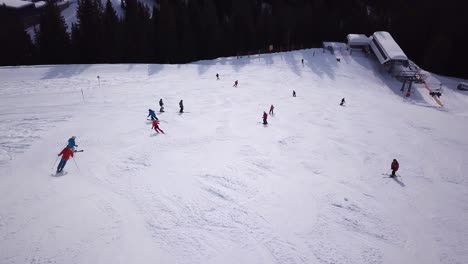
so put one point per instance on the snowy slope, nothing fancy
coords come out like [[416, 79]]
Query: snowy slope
[[220, 187]]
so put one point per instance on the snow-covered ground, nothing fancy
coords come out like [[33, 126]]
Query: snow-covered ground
[[220, 187]]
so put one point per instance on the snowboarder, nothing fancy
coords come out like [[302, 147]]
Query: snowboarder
[[271, 110], [217, 76], [235, 83], [71, 143], [294, 93], [161, 105], [66, 153], [152, 114], [181, 105], [156, 127], [265, 116], [395, 166], [342, 102]]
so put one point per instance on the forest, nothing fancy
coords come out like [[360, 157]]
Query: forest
[[433, 34]]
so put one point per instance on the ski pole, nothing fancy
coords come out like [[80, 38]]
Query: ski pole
[[55, 162], [76, 165]]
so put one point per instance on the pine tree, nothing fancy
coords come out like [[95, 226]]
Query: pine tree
[[168, 31], [90, 29], [16, 47], [111, 35], [52, 38]]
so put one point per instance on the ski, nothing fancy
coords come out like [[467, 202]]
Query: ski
[[387, 175], [59, 174]]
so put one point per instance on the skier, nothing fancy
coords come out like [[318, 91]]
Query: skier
[[71, 143], [66, 153], [265, 116], [271, 110], [217, 76], [181, 105], [342, 102], [152, 114], [395, 165], [161, 105], [156, 127], [294, 93], [235, 83], [302, 62]]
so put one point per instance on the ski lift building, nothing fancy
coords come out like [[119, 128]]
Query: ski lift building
[[387, 50], [358, 41]]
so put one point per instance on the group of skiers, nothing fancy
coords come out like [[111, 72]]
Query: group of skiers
[[69, 150]]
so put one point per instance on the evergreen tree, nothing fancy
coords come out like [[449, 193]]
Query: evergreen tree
[[52, 38], [111, 39], [167, 31], [90, 29], [16, 47]]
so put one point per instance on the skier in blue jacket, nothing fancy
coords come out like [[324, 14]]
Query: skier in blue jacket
[[152, 114], [71, 143]]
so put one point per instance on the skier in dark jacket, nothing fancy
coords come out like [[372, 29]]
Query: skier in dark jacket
[[66, 153], [181, 105], [265, 116], [71, 143], [294, 93], [152, 114], [161, 105], [235, 83], [217, 76], [271, 110], [395, 166], [342, 102]]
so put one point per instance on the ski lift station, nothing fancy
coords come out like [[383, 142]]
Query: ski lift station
[[358, 41], [387, 50]]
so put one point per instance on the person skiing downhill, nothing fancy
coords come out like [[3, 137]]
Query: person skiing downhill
[[265, 116], [152, 114], [71, 143], [294, 93], [156, 127], [66, 153], [161, 105], [342, 102], [235, 83], [271, 110], [395, 166], [181, 105], [217, 76]]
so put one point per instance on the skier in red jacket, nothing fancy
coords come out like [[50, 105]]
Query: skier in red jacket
[[66, 154], [395, 166], [156, 127], [265, 116]]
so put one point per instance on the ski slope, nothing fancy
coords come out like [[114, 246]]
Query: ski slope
[[219, 187]]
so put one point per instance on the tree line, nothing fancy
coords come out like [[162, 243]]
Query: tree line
[[179, 31]]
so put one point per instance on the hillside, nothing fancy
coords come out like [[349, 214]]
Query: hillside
[[219, 187]]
